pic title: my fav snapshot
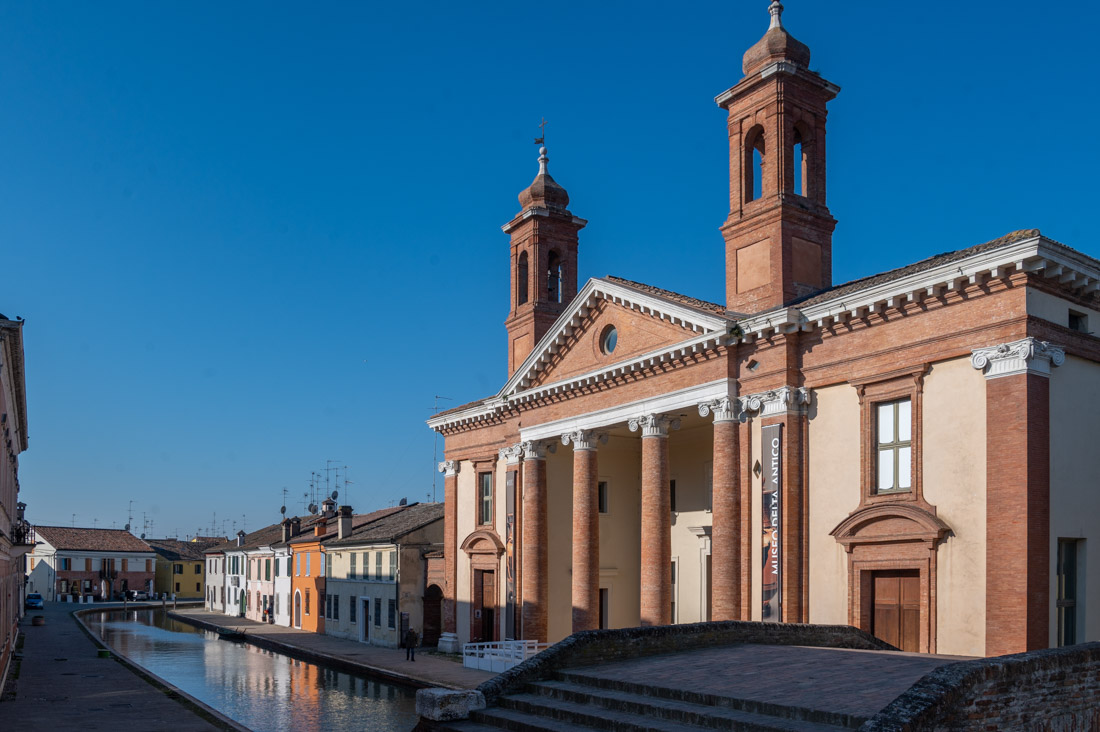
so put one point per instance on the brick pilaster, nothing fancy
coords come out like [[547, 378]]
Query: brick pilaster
[[535, 578], [1017, 588], [586, 534]]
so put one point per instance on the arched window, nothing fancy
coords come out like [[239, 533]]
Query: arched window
[[553, 277], [754, 164], [521, 279], [800, 158]]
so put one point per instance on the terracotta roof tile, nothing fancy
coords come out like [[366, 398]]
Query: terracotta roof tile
[[96, 540], [175, 550], [406, 520], [711, 308], [331, 529]]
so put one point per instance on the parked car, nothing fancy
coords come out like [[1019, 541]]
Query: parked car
[[34, 601]]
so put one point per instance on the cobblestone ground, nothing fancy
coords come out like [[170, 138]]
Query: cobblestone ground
[[859, 683], [64, 685]]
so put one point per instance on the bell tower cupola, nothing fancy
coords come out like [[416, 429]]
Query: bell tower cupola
[[543, 262], [779, 230]]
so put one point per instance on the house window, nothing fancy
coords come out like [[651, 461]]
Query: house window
[[276, 567], [1067, 592], [328, 605], [267, 570], [351, 609], [66, 564], [198, 587], [307, 602], [378, 612], [601, 489], [177, 569], [392, 613], [894, 446], [393, 565], [335, 607], [177, 587], [298, 565], [485, 498], [378, 565], [351, 572], [1078, 321], [308, 555], [288, 566]]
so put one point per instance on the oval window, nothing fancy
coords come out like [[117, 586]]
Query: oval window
[[609, 340]]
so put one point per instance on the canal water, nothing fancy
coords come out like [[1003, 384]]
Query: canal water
[[261, 689]]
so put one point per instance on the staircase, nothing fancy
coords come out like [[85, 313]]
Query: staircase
[[572, 700]]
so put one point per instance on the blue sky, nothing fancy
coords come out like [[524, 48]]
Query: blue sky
[[252, 237]]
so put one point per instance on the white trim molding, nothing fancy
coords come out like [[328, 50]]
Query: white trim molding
[[785, 400], [449, 468], [654, 425], [1026, 356]]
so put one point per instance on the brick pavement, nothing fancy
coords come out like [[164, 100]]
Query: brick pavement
[[856, 683], [349, 655], [64, 685]]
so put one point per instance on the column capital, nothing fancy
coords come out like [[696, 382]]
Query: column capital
[[1025, 356], [784, 400], [512, 453], [725, 409], [584, 439], [537, 449], [654, 425], [449, 468]]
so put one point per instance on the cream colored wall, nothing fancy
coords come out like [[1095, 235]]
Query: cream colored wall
[[756, 521], [1075, 485], [834, 492], [954, 450], [1056, 310], [691, 453], [620, 464], [559, 514], [464, 501]]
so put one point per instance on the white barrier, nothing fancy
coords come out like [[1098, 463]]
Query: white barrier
[[499, 656]]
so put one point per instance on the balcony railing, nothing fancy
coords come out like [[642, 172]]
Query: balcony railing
[[500, 656], [22, 534]]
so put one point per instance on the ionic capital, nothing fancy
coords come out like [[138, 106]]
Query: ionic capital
[[584, 439], [725, 409], [511, 454], [449, 468], [1025, 356], [784, 400], [537, 449], [654, 425]]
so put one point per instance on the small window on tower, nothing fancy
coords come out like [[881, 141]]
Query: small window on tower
[[553, 277], [521, 279], [753, 165], [798, 160]]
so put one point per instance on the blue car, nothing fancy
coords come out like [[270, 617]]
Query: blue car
[[34, 601]]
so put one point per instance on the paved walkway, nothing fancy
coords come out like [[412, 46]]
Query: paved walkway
[[427, 670], [857, 683], [64, 685]]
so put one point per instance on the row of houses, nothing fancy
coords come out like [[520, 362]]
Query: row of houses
[[363, 577]]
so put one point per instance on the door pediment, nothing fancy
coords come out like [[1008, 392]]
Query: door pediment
[[886, 523]]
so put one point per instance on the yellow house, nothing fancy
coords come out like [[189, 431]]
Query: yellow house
[[181, 567]]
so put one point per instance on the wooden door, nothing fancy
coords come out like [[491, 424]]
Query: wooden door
[[488, 606], [896, 617], [433, 601]]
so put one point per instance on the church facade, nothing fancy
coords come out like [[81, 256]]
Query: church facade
[[908, 453]]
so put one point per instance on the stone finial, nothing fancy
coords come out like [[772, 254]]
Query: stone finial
[[544, 191], [776, 10]]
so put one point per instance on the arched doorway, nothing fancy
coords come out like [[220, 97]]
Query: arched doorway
[[298, 610], [433, 615], [484, 549]]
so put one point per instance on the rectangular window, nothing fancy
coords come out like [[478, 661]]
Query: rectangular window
[[247, 569], [198, 568], [321, 559], [87, 565], [177, 587], [276, 567], [328, 605], [1067, 592], [198, 587], [267, 570], [485, 498], [605, 607], [335, 607], [297, 564], [672, 495], [1078, 321], [351, 572], [308, 556], [288, 566], [66, 564], [894, 446], [378, 612], [126, 565], [393, 566], [326, 565], [351, 609], [392, 614], [307, 602], [177, 569], [601, 489], [378, 565]]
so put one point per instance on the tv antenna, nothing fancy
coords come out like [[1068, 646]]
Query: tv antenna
[[129, 515], [435, 445]]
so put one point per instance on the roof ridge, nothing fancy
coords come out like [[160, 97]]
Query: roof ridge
[[677, 297]]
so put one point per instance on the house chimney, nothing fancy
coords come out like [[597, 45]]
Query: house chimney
[[295, 526], [240, 537], [286, 530], [328, 508], [321, 527], [343, 522]]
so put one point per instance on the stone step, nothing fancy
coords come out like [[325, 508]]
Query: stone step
[[680, 712], [660, 694], [650, 716]]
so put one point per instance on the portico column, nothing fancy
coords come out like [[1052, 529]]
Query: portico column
[[586, 529], [725, 542], [534, 554], [448, 639], [656, 550]]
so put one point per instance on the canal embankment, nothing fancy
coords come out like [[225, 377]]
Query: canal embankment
[[388, 664], [64, 683]]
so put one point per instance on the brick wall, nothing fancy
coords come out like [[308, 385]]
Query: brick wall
[[1055, 689]]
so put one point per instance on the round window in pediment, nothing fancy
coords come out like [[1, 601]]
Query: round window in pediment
[[609, 340]]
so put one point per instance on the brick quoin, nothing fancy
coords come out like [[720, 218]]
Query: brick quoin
[[1018, 513], [656, 595], [586, 541], [726, 525]]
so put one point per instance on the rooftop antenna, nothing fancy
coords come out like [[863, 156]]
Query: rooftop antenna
[[328, 473], [130, 515], [435, 446], [347, 498]]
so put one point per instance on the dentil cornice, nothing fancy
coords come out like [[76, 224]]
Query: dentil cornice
[[1026, 356]]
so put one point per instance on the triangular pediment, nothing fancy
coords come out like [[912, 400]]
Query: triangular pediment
[[643, 322]]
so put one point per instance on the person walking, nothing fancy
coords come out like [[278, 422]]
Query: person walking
[[411, 639]]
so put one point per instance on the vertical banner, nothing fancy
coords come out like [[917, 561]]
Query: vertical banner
[[510, 555], [771, 577]]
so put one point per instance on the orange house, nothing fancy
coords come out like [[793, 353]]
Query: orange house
[[307, 580]]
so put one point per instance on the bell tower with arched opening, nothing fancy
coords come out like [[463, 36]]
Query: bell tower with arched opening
[[779, 232], [544, 262]]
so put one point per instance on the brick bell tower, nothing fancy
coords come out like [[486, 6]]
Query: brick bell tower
[[544, 262], [779, 232]]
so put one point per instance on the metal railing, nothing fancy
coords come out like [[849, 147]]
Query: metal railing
[[500, 656]]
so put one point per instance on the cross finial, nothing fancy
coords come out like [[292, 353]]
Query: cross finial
[[541, 139], [776, 10]]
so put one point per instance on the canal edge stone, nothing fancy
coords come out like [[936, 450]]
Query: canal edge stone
[[447, 705]]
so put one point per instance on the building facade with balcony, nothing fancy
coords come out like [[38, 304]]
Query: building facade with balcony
[[16, 535], [97, 564]]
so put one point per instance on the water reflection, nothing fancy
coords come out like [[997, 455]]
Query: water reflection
[[260, 689]]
